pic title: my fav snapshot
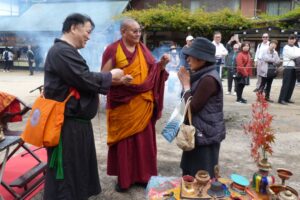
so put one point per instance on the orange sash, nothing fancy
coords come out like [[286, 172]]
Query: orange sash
[[129, 119], [5, 100]]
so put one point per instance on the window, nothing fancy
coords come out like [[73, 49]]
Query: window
[[9, 8], [278, 7]]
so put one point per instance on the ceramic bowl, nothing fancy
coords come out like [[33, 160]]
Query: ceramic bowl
[[202, 177], [274, 189], [284, 173]]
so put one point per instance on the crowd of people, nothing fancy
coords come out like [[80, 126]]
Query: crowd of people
[[8, 56], [134, 83], [238, 62]]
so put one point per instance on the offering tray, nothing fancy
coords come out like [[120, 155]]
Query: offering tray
[[199, 193]]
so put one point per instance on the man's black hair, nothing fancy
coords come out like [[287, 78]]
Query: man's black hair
[[75, 19], [292, 36]]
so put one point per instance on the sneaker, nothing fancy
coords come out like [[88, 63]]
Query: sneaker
[[282, 102], [228, 93], [241, 101], [255, 90], [269, 100], [245, 100], [233, 94], [289, 101]]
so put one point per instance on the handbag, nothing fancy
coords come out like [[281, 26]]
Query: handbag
[[43, 128], [245, 80], [185, 139], [272, 71], [172, 127]]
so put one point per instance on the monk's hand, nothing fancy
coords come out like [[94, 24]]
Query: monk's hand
[[164, 60], [184, 77], [126, 80], [117, 74]]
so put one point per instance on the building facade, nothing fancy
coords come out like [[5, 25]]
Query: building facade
[[249, 8]]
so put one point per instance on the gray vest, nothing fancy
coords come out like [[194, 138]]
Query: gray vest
[[209, 122]]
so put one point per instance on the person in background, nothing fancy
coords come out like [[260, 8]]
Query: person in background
[[289, 53], [244, 70], [134, 105], [5, 57], [261, 47], [230, 63], [234, 39], [183, 63], [204, 85], [30, 58], [65, 71], [173, 65], [270, 56], [221, 52], [10, 60]]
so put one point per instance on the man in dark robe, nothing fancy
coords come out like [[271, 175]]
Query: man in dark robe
[[65, 71], [133, 107]]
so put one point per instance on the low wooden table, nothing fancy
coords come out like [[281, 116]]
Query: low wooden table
[[157, 188]]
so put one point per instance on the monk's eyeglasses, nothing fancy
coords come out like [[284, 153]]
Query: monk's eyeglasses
[[136, 31]]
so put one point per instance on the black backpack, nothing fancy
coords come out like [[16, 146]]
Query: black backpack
[[6, 55]]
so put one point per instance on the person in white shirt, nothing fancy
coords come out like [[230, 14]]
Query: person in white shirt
[[262, 47], [270, 61], [221, 52], [289, 53]]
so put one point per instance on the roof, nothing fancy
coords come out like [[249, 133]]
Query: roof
[[50, 16]]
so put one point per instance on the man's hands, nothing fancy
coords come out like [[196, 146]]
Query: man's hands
[[164, 60], [117, 74], [126, 80], [118, 77]]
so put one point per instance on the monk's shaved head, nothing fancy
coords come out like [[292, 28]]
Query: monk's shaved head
[[126, 23], [130, 31]]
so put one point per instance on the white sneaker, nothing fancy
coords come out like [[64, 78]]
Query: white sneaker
[[228, 93], [233, 94]]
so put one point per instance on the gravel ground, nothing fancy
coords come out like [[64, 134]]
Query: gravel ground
[[235, 149]]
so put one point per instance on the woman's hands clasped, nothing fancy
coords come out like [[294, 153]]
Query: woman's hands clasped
[[184, 77]]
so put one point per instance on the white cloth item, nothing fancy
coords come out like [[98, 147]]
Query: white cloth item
[[188, 38], [10, 56], [221, 51], [288, 54], [260, 49]]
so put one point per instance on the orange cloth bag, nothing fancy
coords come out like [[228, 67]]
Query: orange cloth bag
[[44, 125]]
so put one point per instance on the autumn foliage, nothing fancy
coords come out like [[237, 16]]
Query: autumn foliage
[[259, 128]]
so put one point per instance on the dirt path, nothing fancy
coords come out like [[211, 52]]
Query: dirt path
[[235, 149]]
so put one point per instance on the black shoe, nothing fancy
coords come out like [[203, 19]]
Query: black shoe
[[289, 101], [255, 90], [144, 185], [119, 189], [282, 102], [269, 100], [245, 100], [241, 101]]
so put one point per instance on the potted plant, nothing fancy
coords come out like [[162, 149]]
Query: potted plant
[[262, 135]]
